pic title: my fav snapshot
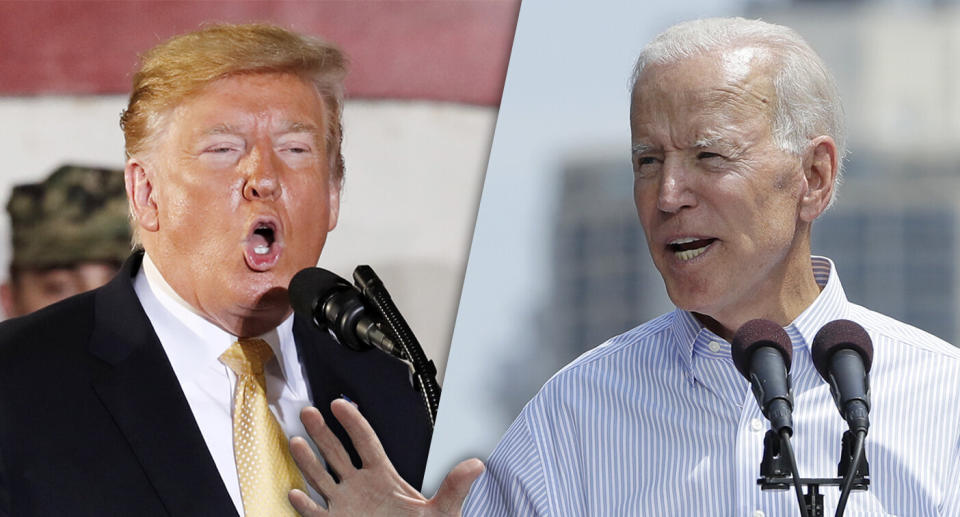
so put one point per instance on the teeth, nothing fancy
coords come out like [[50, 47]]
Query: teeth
[[689, 254], [684, 240], [261, 250]]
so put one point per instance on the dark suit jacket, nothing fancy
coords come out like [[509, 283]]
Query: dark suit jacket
[[93, 420]]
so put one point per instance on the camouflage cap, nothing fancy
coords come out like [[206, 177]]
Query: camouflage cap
[[78, 214]]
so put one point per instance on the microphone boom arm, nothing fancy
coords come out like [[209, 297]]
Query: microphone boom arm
[[423, 370], [364, 317]]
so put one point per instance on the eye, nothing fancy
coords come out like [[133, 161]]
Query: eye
[[56, 288], [703, 155], [295, 147], [645, 166], [220, 153], [221, 148]]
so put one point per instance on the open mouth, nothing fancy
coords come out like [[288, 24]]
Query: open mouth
[[689, 248], [262, 247], [263, 238]]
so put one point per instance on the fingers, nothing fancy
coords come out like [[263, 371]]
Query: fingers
[[454, 489], [364, 438], [313, 469], [327, 443], [304, 505]]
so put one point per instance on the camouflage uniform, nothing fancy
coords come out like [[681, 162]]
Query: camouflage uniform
[[78, 214]]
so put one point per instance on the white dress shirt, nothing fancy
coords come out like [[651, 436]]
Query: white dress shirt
[[657, 421], [193, 346]]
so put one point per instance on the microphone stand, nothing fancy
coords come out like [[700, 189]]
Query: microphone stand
[[423, 371], [775, 471]]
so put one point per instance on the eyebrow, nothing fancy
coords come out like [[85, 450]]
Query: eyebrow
[[288, 127], [298, 127], [701, 143], [222, 129], [707, 141]]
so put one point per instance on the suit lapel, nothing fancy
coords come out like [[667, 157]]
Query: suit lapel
[[142, 393], [379, 385], [312, 345], [319, 353]]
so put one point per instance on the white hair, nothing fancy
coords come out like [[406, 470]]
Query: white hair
[[808, 102]]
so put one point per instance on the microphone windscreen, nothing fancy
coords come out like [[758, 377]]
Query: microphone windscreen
[[755, 334], [838, 335], [308, 286]]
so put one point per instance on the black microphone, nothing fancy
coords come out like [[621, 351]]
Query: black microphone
[[761, 352], [330, 302], [843, 352]]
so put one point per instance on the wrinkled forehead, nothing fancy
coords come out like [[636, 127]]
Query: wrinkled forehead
[[731, 84]]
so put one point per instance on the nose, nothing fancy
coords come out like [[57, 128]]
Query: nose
[[675, 189], [261, 174]]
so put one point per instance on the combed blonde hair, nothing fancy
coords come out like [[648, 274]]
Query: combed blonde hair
[[184, 64]]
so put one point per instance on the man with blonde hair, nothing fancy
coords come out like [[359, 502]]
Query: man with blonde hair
[[173, 389], [737, 141]]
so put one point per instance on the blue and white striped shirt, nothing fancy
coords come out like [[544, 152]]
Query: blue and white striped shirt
[[657, 421]]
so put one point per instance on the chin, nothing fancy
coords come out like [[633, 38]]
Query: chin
[[691, 298], [268, 297], [255, 294]]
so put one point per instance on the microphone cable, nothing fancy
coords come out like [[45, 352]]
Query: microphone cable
[[847, 484], [787, 448]]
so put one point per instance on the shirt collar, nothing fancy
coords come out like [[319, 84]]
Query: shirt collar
[[829, 305], [691, 337]]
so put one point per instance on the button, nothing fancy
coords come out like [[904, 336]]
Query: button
[[756, 425], [758, 513], [714, 346]]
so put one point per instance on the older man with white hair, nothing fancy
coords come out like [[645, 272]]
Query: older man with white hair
[[737, 144]]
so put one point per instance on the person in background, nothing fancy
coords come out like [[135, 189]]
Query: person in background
[[70, 234]]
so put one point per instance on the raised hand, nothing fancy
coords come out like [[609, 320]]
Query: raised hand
[[374, 489]]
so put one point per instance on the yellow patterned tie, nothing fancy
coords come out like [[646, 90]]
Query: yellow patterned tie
[[264, 465]]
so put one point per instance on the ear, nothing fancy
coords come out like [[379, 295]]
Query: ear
[[820, 176], [140, 194], [7, 300], [334, 206]]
